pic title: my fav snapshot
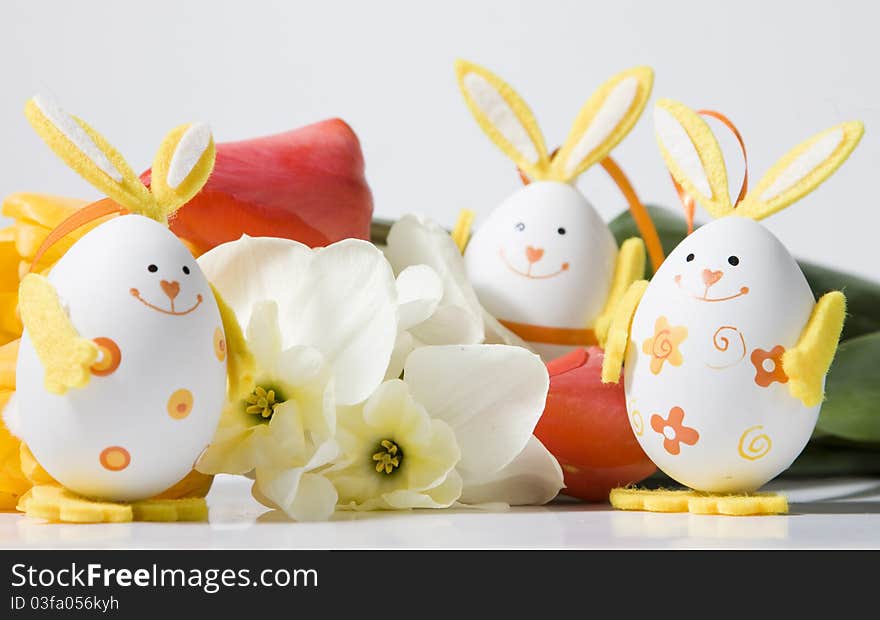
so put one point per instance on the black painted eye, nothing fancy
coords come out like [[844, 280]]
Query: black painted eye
[[560, 230], [520, 226], [186, 270], [690, 257], [733, 260], [152, 269]]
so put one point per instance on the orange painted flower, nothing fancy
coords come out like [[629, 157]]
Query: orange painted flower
[[768, 366], [664, 346], [674, 431]]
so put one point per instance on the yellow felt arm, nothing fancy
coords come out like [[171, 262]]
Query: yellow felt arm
[[240, 364], [66, 357], [461, 234], [808, 362], [618, 333], [630, 266]]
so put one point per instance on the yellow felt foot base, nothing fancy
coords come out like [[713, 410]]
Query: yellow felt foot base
[[57, 504], [696, 502]]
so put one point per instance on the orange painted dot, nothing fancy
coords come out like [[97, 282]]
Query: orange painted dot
[[115, 458], [109, 357], [180, 404], [219, 344]]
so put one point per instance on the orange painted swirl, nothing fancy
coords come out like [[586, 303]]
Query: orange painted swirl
[[721, 340], [662, 347]]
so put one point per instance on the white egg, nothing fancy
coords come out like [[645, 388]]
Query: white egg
[[544, 257], [706, 394], [155, 396]]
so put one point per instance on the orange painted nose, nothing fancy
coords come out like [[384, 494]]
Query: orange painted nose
[[711, 277], [171, 288], [534, 254]]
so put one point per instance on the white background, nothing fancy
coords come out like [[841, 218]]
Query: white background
[[782, 70]]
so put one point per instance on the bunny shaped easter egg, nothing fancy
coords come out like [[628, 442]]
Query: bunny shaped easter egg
[[121, 373], [544, 262], [726, 350]]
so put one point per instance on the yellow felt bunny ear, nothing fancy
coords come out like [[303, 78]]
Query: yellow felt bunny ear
[[693, 156], [505, 118], [88, 153], [182, 166], [604, 120], [801, 170]]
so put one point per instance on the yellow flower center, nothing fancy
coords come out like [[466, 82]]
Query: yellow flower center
[[388, 458], [262, 402]]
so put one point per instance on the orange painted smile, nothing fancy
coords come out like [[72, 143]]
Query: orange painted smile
[[705, 296], [137, 295], [532, 261]]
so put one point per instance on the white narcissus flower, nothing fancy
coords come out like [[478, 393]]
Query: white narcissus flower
[[458, 318], [340, 300], [490, 396], [283, 430], [397, 455], [322, 325]]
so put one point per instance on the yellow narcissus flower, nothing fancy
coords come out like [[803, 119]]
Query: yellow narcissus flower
[[398, 456], [13, 482], [34, 216], [282, 429]]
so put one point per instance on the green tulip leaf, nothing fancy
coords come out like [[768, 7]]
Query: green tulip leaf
[[852, 405]]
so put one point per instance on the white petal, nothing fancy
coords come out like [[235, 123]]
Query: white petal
[[496, 333], [302, 496], [419, 290], [324, 454], [441, 496], [491, 395], [403, 346], [349, 314], [450, 325], [303, 371], [255, 269], [263, 334], [533, 478], [420, 241]]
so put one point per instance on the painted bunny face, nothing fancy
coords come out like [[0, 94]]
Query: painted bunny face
[[729, 259], [537, 253], [543, 262]]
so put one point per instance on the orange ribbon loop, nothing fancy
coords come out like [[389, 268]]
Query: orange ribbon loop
[[80, 218]]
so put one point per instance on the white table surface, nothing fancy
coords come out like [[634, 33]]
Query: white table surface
[[841, 513]]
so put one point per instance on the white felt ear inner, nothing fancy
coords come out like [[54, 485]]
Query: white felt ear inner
[[805, 163], [189, 151], [72, 130], [609, 116], [500, 115], [678, 145]]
